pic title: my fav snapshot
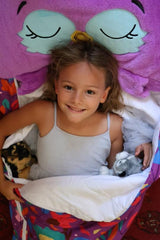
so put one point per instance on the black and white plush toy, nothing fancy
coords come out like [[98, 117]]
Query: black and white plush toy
[[124, 165]]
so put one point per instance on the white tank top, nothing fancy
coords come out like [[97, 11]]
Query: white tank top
[[60, 153]]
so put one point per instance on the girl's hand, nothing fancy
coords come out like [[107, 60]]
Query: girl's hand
[[146, 148], [7, 188]]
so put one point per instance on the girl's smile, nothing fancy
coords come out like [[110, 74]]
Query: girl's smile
[[75, 109]]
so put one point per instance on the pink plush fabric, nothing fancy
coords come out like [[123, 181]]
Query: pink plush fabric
[[139, 71]]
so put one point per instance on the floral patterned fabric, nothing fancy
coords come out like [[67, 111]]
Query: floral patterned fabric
[[8, 93]]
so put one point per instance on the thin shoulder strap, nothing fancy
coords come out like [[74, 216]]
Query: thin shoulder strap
[[108, 120], [55, 113]]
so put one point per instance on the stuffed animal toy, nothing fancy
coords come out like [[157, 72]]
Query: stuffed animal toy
[[124, 165], [19, 158], [129, 28]]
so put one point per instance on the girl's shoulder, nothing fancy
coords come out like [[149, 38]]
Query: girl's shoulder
[[115, 125], [41, 102], [116, 118], [40, 106], [43, 106], [38, 110], [44, 111]]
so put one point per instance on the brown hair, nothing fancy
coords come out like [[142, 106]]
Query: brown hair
[[94, 54]]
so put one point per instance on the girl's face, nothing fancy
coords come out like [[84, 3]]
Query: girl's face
[[80, 89]]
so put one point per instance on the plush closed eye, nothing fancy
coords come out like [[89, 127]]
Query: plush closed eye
[[129, 35], [33, 35]]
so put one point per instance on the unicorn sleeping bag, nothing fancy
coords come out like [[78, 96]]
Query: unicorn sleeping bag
[[81, 207]]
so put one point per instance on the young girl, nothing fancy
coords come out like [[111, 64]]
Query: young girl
[[78, 132]]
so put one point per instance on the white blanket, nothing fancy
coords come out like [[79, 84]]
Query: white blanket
[[91, 198]]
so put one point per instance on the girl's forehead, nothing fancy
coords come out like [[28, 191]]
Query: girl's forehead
[[82, 66], [83, 73]]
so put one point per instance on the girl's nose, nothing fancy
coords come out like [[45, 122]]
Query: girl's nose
[[77, 97]]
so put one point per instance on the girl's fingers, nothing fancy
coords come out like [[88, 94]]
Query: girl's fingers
[[147, 155], [16, 192], [147, 158], [16, 198], [146, 148], [18, 185], [139, 149], [13, 191]]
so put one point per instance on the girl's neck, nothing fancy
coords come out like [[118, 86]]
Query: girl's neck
[[90, 127]]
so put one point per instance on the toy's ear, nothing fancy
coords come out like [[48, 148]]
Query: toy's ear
[[4, 153]]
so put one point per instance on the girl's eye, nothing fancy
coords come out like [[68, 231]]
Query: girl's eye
[[67, 87], [90, 92]]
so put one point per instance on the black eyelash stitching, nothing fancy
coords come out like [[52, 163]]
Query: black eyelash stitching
[[127, 35], [139, 4], [130, 35], [21, 5], [32, 35], [35, 35]]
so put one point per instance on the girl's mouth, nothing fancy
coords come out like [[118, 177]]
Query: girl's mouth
[[75, 109]]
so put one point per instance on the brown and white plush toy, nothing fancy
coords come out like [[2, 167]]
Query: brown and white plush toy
[[19, 158]]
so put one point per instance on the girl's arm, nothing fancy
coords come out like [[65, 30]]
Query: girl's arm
[[7, 188], [29, 114], [116, 138]]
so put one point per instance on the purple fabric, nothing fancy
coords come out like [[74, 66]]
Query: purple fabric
[[139, 72]]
